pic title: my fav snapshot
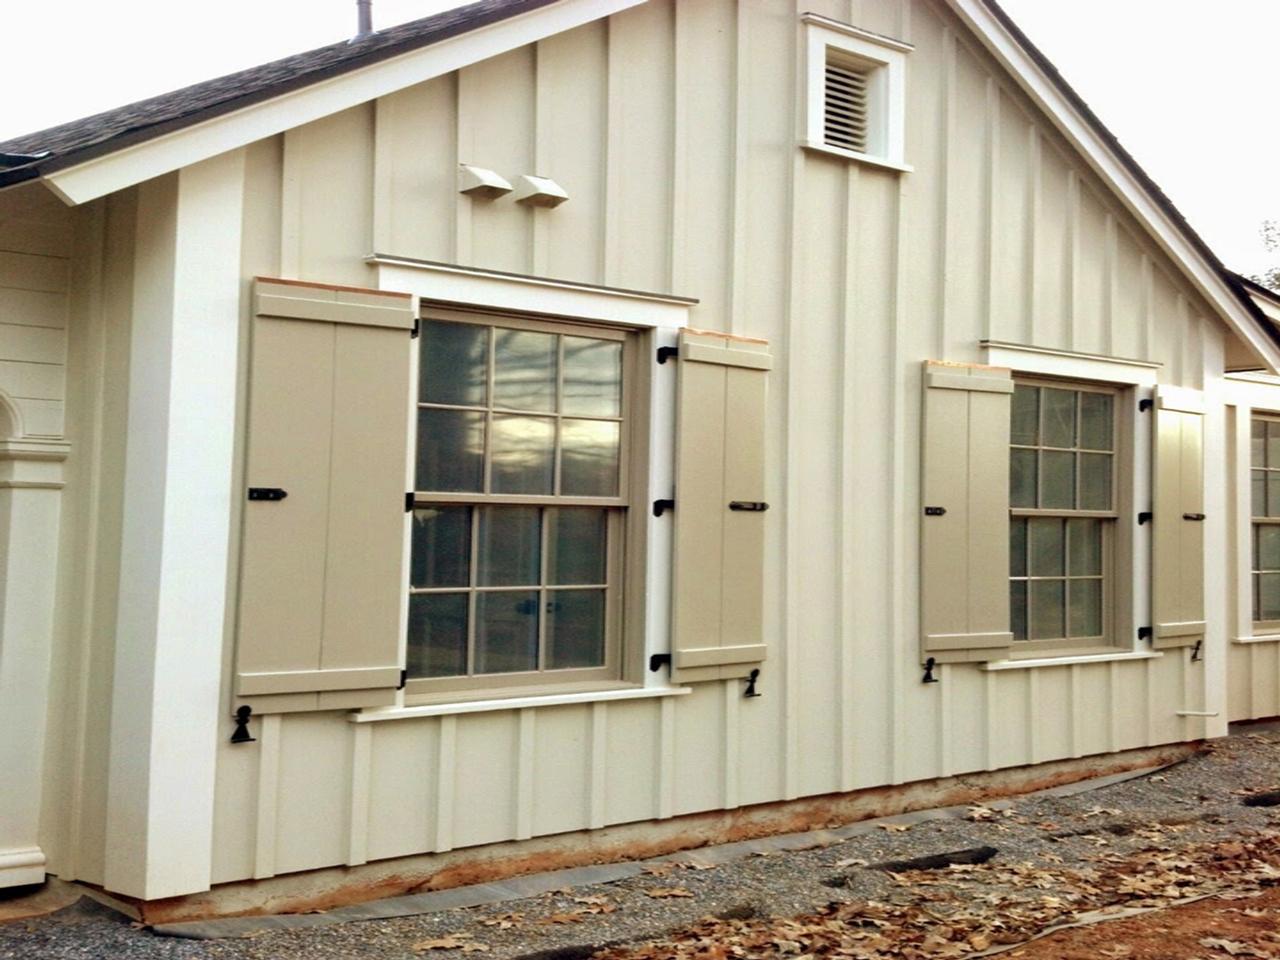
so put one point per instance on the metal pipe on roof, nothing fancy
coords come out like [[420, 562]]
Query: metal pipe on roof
[[364, 17]]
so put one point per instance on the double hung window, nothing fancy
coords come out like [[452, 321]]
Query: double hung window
[[520, 502], [1265, 482], [1062, 491]]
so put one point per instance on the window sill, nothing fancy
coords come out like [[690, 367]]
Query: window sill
[[859, 157], [1259, 638], [455, 707], [1067, 660]]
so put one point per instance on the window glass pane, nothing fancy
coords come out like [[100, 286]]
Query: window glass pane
[[589, 458], [1268, 552], [437, 635], [506, 631], [1018, 547], [1026, 415], [1273, 493], [509, 551], [1048, 546], [1095, 481], [523, 450], [450, 451], [1258, 443], [592, 377], [1057, 480], [1269, 596], [1022, 478], [1259, 483], [1084, 539], [1095, 420], [1018, 608], [1059, 416], [1048, 608], [524, 370], [576, 545], [455, 363], [441, 547], [1273, 443], [1085, 619], [575, 629]]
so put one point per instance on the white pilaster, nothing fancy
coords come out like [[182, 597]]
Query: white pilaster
[[175, 549], [30, 500]]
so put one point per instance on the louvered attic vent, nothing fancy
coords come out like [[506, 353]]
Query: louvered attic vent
[[844, 120]]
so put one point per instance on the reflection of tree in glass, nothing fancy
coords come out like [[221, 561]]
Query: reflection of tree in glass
[[524, 371]]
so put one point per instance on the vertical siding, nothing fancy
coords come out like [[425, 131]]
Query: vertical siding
[[672, 127]]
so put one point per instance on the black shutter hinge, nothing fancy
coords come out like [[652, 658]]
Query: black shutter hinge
[[1145, 404], [750, 506], [662, 506], [241, 733], [267, 493], [417, 328], [928, 671], [408, 502], [752, 677], [1195, 651], [1145, 633], [657, 660], [1193, 516], [1146, 516], [668, 353], [404, 678], [935, 511]]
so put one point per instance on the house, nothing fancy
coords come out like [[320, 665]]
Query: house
[[560, 430]]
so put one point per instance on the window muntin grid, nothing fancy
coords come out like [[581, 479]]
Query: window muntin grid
[[1062, 510], [1264, 482], [520, 504]]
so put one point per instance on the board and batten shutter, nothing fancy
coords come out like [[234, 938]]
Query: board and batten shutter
[[322, 563], [718, 571], [1177, 536], [964, 532]]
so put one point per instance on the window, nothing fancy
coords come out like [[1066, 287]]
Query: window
[[856, 100], [1265, 478], [1062, 514], [520, 503]]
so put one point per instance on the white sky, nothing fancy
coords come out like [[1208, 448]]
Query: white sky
[[1189, 87]]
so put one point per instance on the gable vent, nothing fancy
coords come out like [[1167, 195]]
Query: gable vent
[[845, 106]]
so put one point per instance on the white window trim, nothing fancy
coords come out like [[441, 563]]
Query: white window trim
[[888, 58], [1026, 359], [1247, 394], [665, 316], [378, 714]]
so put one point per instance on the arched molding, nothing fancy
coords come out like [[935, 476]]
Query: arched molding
[[10, 418]]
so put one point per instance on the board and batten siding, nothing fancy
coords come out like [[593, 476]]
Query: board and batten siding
[[673, 128]]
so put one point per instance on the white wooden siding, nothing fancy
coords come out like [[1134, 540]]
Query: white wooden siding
[[672, 126]]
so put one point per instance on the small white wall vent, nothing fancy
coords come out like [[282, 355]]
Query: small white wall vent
[[482, 184], [539, 192], [855, 93], [844, 104]]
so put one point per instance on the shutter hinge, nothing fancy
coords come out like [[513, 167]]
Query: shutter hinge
[[750, 506], [241, 733], [1193, 516], [1145, 516], [404, 678], [267, 493], [417, 328], [1195, 651], [657, 660], [408, 502], [1144, 633], [935, 511], [662, 506], [928, 671], [668, 353], [1145, 404], [752, 677]]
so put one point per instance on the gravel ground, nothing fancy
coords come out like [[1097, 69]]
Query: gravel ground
[[1196, 801]]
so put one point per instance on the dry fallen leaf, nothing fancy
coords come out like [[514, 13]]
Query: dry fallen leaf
[[663, 893], [454, 941], [895, 827]]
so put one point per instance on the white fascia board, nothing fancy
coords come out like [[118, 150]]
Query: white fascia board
[[1002, 45], [172, 151]]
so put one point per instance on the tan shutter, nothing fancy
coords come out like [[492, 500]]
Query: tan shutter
[[718, 576], [964, 532], [322, 569], [1177, 537]]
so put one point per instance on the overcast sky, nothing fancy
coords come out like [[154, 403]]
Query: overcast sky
[[1189, 87]]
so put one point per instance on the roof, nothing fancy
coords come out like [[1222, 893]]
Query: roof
[[34, 154]]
